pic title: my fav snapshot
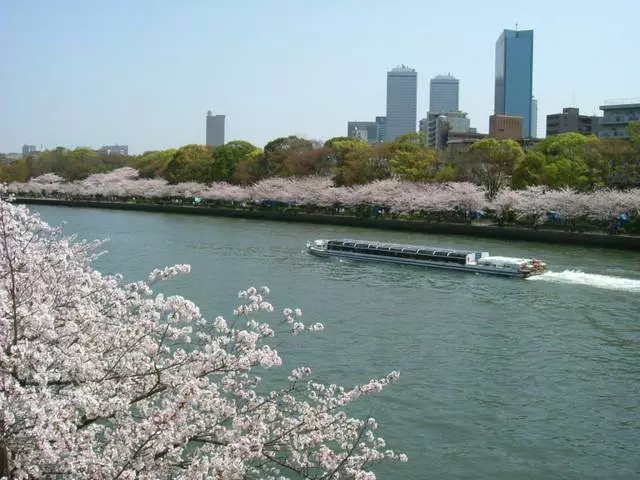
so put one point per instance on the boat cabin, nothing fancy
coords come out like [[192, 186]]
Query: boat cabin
[[504, 262], [411, 252]]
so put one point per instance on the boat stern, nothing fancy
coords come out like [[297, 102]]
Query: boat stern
[[534, 267]]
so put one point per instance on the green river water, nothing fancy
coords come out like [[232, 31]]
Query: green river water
[[501, 378]]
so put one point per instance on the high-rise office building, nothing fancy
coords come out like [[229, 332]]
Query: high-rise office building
[[514, 76], [215, 130], [444, 92], [402, 93]]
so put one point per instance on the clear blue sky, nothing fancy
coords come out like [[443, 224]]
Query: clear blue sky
[[144, 72]]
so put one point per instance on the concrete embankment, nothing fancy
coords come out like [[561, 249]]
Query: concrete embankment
[[622, 242]]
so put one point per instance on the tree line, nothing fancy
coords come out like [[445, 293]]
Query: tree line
[[569, 160]]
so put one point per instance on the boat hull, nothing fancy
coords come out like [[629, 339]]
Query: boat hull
[[321, 252]]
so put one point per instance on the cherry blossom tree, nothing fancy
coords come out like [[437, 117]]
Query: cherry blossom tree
[[317, 191], [47, 179], [223, 191], [608, 205], [105, 379], [505, 204], [567, 202], [533, 205], [378, 192], [400, 197], [465, 196]]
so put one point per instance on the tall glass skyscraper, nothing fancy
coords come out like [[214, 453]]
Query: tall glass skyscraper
[[444, 91], [514, 76], [402, 93]]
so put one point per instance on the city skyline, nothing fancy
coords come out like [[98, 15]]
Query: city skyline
[[79, 74]]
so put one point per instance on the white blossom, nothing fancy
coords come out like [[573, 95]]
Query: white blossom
[[399, 197], [104, 379]]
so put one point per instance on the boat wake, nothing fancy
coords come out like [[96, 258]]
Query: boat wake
[[576, 277]]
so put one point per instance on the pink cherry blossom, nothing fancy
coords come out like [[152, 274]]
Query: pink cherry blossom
[[105, 379], [398, 197]]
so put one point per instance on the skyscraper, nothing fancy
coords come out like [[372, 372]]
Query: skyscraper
[[444, 92], [514, 76], [215, 129], [402, 92]]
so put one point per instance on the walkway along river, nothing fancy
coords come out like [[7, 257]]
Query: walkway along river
[[501, 378]]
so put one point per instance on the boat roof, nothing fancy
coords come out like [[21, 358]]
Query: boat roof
[[500, 259], [390, 245]]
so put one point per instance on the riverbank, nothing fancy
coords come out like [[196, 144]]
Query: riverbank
[[621, 242]]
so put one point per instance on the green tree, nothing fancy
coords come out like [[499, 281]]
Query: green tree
[[359, 163], [78, 164], [343, 146], [491, 163], [415, 138], [448, 173], [225, 159], [633, 129], [314, 162], [410, 160], [565, 161], [250, 169], [15, 171], [338, 148], [278, 150], [330, 143], [189, 164], [529, 170], [73, 164], [152, 164], [622, 161]]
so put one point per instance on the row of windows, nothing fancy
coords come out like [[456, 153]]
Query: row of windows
[[364, 247], [455, 258]]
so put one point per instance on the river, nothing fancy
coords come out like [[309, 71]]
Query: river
[[501, 378]]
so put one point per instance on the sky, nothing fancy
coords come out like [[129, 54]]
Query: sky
[[144, 72]]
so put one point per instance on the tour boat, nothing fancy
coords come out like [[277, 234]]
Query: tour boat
[[450, 259]]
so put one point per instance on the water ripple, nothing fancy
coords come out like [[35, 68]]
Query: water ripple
[[501, 378]]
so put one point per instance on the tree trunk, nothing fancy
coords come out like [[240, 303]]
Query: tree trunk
[[4, 461]]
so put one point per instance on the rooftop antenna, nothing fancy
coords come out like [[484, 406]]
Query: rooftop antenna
[[573, 98]]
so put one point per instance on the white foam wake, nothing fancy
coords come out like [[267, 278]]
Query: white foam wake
[[576, 277]]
